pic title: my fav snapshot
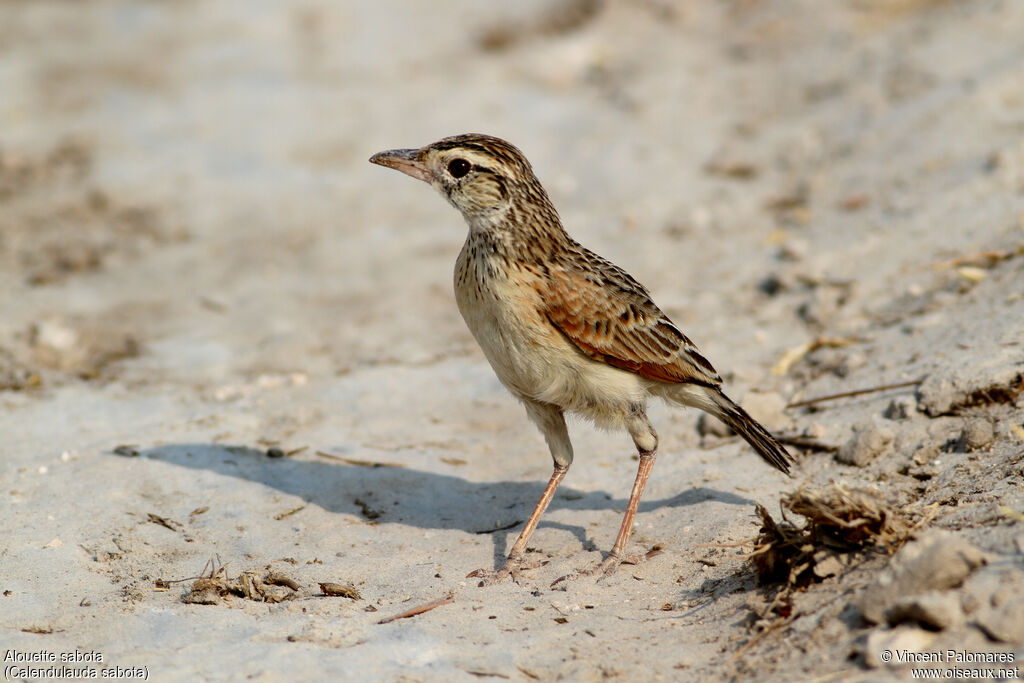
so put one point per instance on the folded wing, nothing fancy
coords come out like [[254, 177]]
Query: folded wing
[[610, 317]]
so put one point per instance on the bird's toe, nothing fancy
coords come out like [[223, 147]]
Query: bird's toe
[[510, 570]]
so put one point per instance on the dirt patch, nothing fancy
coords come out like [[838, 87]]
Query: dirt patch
[[55, 222]]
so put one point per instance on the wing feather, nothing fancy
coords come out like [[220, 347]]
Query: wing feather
[[610, 317]]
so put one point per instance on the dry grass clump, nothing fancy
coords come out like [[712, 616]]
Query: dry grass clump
[[267, 586], [840, 521]]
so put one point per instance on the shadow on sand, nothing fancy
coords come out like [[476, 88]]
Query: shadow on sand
[[402, 495]]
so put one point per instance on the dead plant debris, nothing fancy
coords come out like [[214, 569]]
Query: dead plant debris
[[793, 355], [212, 588], [367, 511], [420, 609], [356, 462], [288, 513], [855, 392], [163, 521], [41, 630], [840, 522], [981, 259], [994, 394], [340, 590]]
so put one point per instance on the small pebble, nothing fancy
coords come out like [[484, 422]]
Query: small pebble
[[901, 408], [869, 441], [977, 434], [815, 431], [708, 425]]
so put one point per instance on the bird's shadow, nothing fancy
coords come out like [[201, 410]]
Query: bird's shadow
[[403, 495]]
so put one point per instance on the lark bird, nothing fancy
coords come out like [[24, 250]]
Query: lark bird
[[564, 329]]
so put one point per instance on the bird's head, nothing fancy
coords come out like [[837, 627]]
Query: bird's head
[[482, 176]]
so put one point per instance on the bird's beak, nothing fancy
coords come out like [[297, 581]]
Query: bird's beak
[[405, 160]]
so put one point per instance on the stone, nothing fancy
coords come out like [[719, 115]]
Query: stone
[[937, 561], [984, 375], [869, 441], [977, 434], [1004, 622], [910, 437], [994, 600], [934, 609]]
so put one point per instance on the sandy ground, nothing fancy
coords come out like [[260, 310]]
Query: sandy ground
[[199, 266]]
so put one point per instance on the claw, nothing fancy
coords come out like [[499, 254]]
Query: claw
[[510, 570], [608, 566], [490, 577]]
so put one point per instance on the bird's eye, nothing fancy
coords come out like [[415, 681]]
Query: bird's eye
[[458, 167]]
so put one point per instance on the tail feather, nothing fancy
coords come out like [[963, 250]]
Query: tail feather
[[710, 399], [751, 430]]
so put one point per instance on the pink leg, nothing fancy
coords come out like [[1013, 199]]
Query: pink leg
[[617, 556], [514, 563]]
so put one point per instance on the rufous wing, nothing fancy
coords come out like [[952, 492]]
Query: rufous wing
[[611, 318]]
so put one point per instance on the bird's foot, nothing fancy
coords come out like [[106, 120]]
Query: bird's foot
[[510, 570], [608, 566]]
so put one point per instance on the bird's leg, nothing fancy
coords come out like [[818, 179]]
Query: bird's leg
[[617, 556], [551, 422], [514, 561], [646, 440]]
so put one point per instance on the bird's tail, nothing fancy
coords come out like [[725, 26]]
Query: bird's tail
[[751, 430], [711, 400]]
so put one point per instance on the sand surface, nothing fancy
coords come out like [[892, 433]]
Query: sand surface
[[198, 265]]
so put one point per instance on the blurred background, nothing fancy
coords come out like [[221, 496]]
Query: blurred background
[[186, 183], [199, 265]]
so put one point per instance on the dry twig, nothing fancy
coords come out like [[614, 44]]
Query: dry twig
[[358, 463], [855, 392], [447, 600]]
